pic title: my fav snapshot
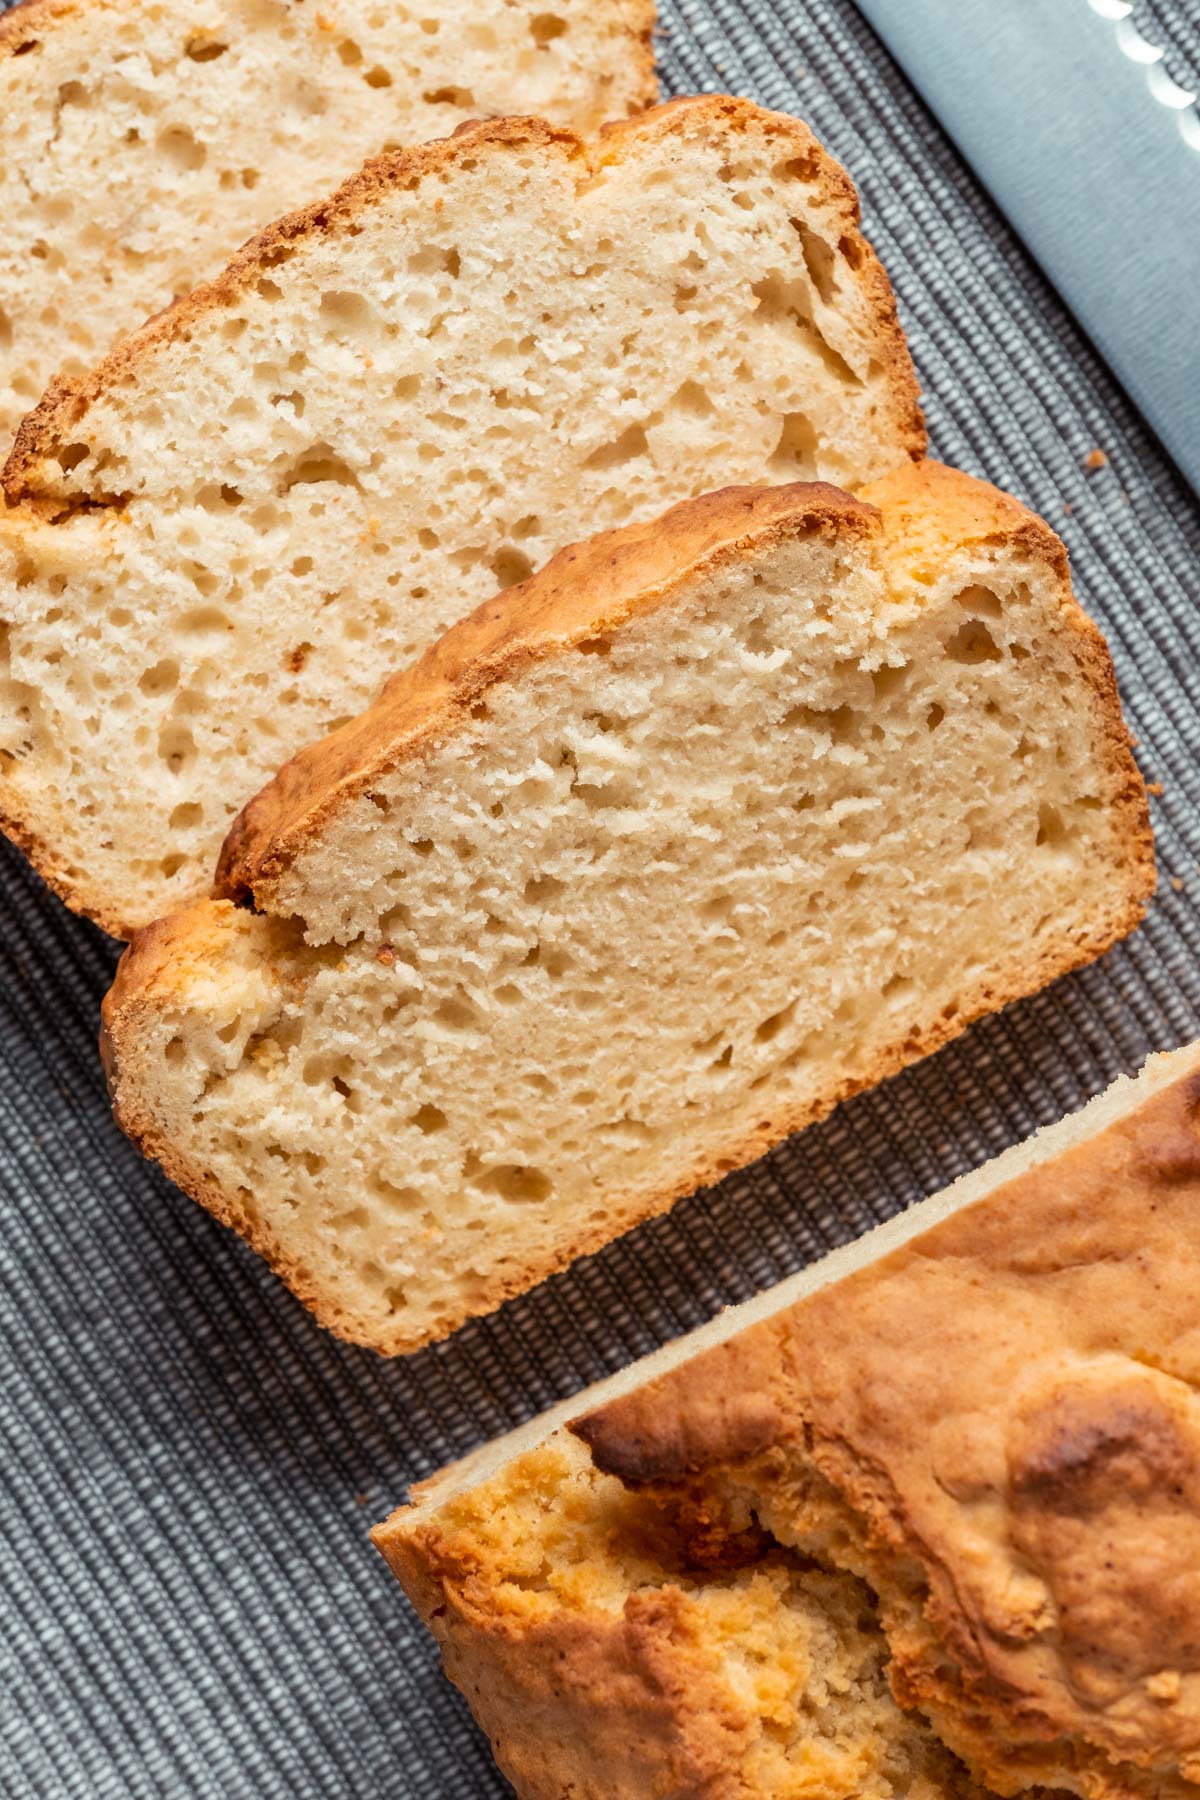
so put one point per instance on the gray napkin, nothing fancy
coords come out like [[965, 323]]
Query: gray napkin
[[187, 1465]]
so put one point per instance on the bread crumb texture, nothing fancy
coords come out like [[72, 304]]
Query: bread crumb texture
[[390, 406], [143, 142], [945, 1508], [644, 866]]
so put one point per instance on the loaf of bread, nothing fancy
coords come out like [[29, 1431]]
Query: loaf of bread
[[143, 143], [644, 866], [923, 1517], [389, 406]]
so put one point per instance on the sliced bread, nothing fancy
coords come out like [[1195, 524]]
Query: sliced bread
[[143, 142], [937, 1497], [389, 405], [644, 866]]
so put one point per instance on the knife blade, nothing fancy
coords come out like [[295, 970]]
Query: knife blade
[[1066, 113]]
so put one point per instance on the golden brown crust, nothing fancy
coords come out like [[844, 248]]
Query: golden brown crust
[[22, 24], [927, 505], [27, 475], [998, 1424], [587, 590], [641, 1682], [1022, 1378], [646, 1701]]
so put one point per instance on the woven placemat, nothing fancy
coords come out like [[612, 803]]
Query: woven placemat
[[187, 1465]]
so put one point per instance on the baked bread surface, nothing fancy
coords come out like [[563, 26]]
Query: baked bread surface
[[143, 142], [388, 406], [990, 1422], [644, 866]]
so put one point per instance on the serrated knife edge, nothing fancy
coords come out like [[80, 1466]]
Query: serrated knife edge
[[1068, 117]]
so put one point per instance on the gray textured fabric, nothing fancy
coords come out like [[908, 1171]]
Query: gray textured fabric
[[187, 1465]]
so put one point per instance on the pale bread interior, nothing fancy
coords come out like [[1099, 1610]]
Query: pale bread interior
[[663, 898], [144, 141], [323, 468]]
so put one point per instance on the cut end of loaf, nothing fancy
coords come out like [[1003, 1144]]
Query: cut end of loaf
[[594, 1630], [980, 1423], [723, 823]]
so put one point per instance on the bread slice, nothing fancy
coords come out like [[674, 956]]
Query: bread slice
[[144, 142], [388, 406], [644, 866], [938, 1494]]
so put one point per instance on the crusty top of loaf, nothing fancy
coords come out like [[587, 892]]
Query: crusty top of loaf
[[1006, 1411], [32, 473], [923, 511]]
